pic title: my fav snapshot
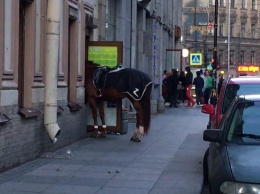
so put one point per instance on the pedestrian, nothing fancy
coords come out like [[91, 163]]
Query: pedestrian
[[199, 84], [166, 85], [208, 87], [174, 99], [164, 89], [202, 75], [182, 91], [220, 82], [188, 83], [164, 75], [171, 85]]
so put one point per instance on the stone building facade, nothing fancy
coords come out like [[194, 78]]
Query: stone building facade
[[147, 28], [244, 34]]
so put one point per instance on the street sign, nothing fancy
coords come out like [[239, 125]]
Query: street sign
[[195, 59]]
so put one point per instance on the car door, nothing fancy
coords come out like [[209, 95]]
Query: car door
[[217, 150], [218, 115]]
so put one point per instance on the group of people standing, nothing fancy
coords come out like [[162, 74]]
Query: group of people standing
[[178, 87]]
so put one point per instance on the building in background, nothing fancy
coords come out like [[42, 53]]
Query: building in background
[[244, 34], [147, 28]]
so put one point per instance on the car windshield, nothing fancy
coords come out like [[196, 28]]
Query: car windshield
[[232, 90], [245, 123]]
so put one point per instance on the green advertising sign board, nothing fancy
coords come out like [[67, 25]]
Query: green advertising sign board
[[103, 55]]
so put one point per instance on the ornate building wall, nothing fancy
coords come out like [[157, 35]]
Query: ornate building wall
[[22, 61], [244, 34]]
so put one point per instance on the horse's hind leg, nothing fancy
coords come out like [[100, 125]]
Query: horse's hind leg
[[102, 117], [139, 131]]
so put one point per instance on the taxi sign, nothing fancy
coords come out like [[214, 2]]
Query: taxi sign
[[252, 68], [195, 59]]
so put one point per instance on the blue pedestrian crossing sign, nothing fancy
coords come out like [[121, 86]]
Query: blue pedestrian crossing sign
[[195, 59]]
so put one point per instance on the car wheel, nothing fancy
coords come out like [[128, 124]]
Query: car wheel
[[205, 167]]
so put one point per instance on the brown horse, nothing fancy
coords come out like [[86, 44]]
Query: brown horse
[[110, 93]]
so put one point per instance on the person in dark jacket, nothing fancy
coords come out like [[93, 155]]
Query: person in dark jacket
[[182, 92], [220, 82], [171, 83], [199, 84], [188, 82]]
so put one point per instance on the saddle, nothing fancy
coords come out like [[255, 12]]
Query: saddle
[[100, 75]]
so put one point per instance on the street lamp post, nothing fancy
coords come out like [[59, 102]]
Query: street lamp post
[[215, 54], [205, 37], [229, 5], [185, 54]]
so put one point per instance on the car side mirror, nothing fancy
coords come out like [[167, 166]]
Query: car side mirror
[[212, 135], [207, 109]]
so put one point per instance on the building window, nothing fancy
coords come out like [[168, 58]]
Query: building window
[[252, 30], [252, 58], [253, 4], [242, 57], [232, 3], [221, 3], [232, 30], [243, 4], [221, 57], [110, 20], [186, 30], [242, 32], [231, 57], [221, 29]]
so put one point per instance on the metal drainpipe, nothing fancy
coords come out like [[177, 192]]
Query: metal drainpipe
[[51, 69]]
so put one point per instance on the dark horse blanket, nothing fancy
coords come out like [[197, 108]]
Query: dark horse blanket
[[126, 80]]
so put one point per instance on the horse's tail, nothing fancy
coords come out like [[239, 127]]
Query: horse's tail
[[146, 107]]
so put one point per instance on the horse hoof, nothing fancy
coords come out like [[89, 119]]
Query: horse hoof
[[93, 136], [102, 135], [135, 140]]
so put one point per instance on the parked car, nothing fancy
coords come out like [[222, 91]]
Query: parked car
[[231, 87], [231, 163]]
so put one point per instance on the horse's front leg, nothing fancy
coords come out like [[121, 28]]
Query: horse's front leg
[[93, 106], [102, 118]]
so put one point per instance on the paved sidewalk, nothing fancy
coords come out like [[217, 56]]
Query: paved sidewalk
[[167, 161]]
